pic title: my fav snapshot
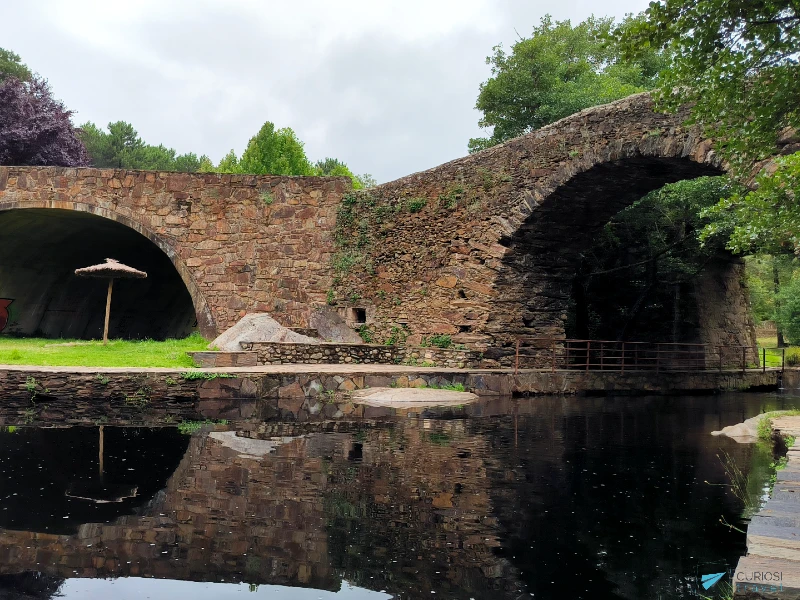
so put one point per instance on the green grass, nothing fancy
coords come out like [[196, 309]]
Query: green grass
[[774, 354], [82, 353], [765, 424]]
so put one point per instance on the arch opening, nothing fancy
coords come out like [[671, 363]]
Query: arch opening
[[540, 280], [42, 248]]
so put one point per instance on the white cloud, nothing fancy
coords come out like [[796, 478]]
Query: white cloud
[[387, 86]]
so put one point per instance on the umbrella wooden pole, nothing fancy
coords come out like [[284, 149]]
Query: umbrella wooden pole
[[108, 311], [100, 454]]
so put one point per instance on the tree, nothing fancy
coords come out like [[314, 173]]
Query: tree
[[275, 152], [556, 72], [637, 277], [333, 167], [228, 163], [11, 65], [735, 60], [122, 148], [35, 129]]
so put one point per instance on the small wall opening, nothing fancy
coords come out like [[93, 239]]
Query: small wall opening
[[42, 248]]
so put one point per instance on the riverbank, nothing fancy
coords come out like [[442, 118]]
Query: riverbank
[[771, 568], [307, 392]]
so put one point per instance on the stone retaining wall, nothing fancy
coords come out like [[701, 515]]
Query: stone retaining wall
[[272, 353], [159, 397]]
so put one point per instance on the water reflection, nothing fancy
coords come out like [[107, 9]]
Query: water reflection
[[555, 497]]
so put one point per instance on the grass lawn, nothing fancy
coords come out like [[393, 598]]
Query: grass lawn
[[774, 353], [82, 353]]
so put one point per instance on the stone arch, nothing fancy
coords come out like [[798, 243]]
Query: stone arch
[[472, 266], [203, 315]]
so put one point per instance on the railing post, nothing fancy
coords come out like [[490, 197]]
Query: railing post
[[588, 353], [783, 359], [516, 358], [658, 358], [744, 358], [602, 348], [623, 357], [763, 360]]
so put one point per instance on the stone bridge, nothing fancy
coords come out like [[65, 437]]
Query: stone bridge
[[482, 248]]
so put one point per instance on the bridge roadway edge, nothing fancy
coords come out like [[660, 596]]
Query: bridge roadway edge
[[306, 392]]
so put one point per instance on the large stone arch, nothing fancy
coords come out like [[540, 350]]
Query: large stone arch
[[488, 255], [240, 243], [43, 208]]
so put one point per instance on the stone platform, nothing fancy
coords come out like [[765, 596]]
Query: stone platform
[[771, 568]]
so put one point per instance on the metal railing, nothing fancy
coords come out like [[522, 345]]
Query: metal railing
[[608, 355]]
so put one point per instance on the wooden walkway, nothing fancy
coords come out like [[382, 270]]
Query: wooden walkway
[[771, 568]]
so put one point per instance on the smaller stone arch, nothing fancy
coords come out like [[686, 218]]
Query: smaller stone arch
[[204, 318]]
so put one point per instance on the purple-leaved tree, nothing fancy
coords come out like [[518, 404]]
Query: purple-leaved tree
[[35, 128]]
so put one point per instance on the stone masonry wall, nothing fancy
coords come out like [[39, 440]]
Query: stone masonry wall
[[484, 248], [240, 243], [270, 353]]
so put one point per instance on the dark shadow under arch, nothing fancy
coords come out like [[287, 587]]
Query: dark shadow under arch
[[39, 252], [537, 274]]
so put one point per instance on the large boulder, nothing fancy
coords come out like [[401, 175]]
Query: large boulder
[[331, 327], [257, 327]]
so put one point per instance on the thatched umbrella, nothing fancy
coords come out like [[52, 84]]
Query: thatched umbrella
[[111, 269]]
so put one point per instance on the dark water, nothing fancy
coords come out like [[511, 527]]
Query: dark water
[[542, 497]]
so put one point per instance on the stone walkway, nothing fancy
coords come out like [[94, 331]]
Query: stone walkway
[[771, 568], [357, 369]]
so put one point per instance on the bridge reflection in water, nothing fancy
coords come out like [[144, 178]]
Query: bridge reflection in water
[[269, 504], [494, 500]]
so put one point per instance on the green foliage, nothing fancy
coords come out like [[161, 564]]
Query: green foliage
[[333, 167], [121, 148], [140, 398], [11, 65], [453, 387], [366, 334], [437, 341], [118, 353], [787, 312], [267, 198], [206, 376], [736, 64], [766, 219], [190, 427], [416, 204], [330, 297], [228, 163], [398, 335], [275, 152], [643, 263], [735, 61], [556, 72], [102, 379]]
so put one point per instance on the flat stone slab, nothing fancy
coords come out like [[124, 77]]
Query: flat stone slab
[[411, 397], [760, 577]]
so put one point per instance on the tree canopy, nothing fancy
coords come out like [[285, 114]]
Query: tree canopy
[[275, 152], [11, 65], [735, 60], [556, 72], [121, 147], [35, 128]]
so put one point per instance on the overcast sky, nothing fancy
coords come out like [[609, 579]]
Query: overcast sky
[[388, 86]]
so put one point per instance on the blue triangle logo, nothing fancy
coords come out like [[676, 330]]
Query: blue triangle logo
[[709, 580]]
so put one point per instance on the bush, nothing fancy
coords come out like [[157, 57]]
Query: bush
[[438, 341]]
